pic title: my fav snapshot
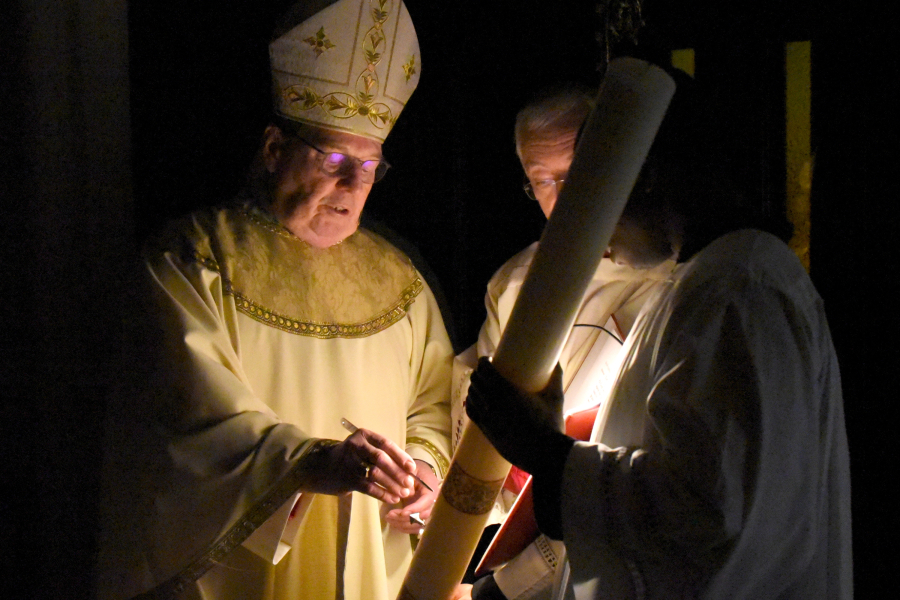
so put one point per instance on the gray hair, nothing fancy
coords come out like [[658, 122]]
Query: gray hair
[[564, 106]]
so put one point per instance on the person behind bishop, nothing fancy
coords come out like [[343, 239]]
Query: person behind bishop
[[280, 317], [546, 131], [719, 467]]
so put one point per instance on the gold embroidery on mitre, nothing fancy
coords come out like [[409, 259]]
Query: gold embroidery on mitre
[[319, 42], [342, 105], [409, 67], [468, 494]]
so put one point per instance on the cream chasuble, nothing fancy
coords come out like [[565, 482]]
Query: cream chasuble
[[269, 343]]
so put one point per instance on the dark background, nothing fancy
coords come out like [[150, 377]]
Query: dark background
[[186, 101]]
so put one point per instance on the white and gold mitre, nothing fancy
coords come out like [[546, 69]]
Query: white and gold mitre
[[350, 66]]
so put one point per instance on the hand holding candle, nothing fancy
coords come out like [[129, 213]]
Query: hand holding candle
[[614, 143]]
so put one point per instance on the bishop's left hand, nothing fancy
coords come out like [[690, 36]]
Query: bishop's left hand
[[421, 501], [524, 428]]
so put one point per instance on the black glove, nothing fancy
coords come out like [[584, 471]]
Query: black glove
[[526, 429], [487, 589]]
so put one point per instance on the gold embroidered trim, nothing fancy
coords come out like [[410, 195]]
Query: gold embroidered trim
[[440, 460], [468, 494], [328, 330], [342, 105], [269, 225], [208, 263], [311, 328], [240, 531]]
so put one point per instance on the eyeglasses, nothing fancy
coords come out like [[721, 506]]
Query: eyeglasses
[[542, 188], [338, 164]]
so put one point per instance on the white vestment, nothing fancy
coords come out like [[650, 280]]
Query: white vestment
[[721, 465], [269, 343], [612, 300]]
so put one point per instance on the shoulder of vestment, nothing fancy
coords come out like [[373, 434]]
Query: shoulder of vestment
[[353, 289]]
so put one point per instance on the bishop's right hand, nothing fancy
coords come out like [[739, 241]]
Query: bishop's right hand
[[366, 462]]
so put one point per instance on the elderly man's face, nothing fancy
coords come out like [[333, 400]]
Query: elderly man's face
[[318, 208], [641, 240], [546, 159]]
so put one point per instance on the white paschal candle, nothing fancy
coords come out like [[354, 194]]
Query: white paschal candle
[[616, 138]]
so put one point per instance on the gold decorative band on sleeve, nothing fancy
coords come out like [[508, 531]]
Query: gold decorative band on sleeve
[[242, 529], [440, 461], [468, 494]]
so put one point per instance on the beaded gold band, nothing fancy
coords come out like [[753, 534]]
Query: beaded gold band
[[468, 494]]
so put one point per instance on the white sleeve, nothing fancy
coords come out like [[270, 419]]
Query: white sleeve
[[529, 575], [728, 454]]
